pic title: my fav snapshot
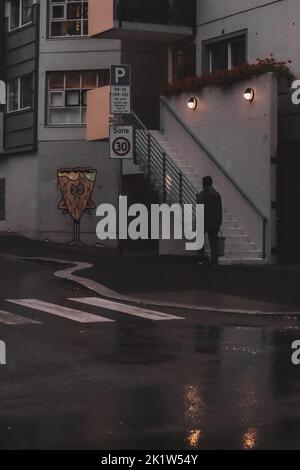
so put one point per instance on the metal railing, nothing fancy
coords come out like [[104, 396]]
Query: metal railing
[[264, 220], [165, 12], [159, 167]]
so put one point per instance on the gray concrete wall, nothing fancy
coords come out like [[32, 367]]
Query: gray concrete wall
[[51, 222], [20, 173]]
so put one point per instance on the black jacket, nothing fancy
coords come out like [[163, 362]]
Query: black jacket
[[212, 208]]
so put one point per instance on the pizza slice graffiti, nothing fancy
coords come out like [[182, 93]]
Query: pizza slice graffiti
[[76, 186]]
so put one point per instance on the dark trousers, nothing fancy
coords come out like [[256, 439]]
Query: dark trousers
[[214, 246]]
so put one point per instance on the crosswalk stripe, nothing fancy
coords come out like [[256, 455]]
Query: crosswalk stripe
[[128, 309], [60, 311], [11, 319]]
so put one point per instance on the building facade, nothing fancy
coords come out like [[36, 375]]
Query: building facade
[[54, 52], [49, 61], [232, 32]]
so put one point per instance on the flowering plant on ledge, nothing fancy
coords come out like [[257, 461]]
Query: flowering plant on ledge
[[227, 78]]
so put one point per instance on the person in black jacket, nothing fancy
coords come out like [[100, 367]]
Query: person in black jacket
[[212, 220]]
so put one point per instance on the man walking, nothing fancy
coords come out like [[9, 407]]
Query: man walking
[[212, 220]]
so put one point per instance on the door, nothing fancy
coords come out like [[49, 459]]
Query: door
[[289, 206], [139, 191]]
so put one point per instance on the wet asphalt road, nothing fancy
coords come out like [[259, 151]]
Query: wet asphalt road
[[210, 381]]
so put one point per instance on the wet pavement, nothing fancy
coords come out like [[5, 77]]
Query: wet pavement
[[209, 381]]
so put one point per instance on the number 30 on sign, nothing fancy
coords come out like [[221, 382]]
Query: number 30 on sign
[[121, 142]]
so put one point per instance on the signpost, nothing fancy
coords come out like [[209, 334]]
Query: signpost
[[120, 137]]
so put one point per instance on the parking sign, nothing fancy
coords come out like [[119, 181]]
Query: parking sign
[[120, 91]]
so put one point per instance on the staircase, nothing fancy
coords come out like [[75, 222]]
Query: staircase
[[238, 247], [178, 180]]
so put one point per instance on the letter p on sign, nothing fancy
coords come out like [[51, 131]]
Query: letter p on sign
[[120, 75]]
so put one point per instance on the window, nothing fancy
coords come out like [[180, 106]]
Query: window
[[226, 54], [67, 95], [2, 199], [20, 93], [68, 18], [19, 13]]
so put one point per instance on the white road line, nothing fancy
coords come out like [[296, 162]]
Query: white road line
[[60, 311], [11, 319], [128, 309]]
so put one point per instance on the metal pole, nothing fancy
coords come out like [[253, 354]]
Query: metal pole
[[121, 242], [164, 177], [149, 156], [180, 189], [264, 239]]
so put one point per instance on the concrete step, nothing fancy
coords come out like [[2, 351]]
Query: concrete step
[[236, 239], [237, 246], [229, 224], [228, 219], [245, 261], [242, 254]]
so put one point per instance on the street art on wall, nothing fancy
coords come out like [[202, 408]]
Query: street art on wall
[[76, 186]]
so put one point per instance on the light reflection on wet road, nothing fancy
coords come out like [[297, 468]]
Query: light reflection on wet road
[[138, 385], [211, 381]]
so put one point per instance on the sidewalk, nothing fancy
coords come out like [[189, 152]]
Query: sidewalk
[[266, 288]]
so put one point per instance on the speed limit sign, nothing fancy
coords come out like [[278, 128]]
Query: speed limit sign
[[121, 142]]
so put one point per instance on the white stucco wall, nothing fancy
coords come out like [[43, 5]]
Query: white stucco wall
[[241, 136]]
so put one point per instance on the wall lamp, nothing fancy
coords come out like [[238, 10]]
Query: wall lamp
[[192, 103], [249, 94]]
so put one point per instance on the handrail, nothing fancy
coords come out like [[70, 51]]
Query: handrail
[[212, 158], [174, 185], [143, 127]]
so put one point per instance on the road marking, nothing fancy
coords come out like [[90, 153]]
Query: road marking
[[11, 319], [60, 311], [128, 309]]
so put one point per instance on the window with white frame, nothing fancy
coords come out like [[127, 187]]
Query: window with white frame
[[226, 54], [67, 95], [19, 13], [20, 93], [68, 18]]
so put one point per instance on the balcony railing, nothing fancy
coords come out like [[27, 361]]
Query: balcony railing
[[164, 12], [156, 20]]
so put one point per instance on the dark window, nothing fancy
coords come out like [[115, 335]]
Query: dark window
[[226, 54], [20, 13], [238, 52], [2, 199], [67, 92], [20, 93], [26, 91], [219, 56], [68, 18]]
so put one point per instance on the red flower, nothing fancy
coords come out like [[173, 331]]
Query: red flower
[[226, 78]]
